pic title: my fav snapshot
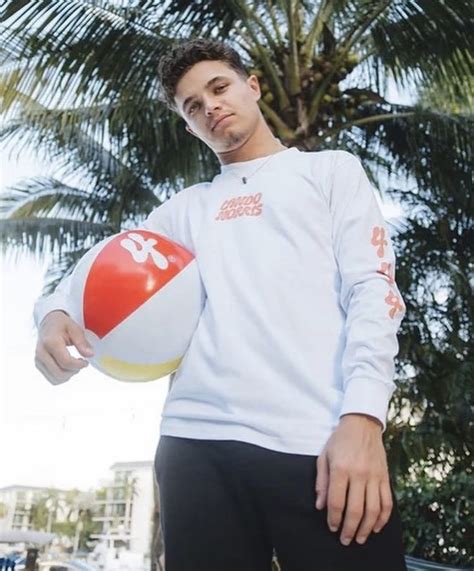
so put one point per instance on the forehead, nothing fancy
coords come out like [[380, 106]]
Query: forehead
[[197, 77]]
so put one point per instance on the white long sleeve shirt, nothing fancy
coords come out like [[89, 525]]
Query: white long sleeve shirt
[[302, 310]]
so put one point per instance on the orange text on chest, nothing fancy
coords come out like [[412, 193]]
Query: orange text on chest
[[247, 205]]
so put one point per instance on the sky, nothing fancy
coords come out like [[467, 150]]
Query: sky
[[69, 435]]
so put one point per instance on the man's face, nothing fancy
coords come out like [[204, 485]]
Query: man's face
[[211, 90]]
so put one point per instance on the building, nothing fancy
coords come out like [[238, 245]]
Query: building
[[17, 505], [124, 508]]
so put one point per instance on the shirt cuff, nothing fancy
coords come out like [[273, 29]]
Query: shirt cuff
[[367, 396], [45, 306]]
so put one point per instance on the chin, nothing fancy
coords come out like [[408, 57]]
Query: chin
[[229, 142]]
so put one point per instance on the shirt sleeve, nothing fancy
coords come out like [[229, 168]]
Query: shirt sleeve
[[58, 300], [177, 218], [369, 295]]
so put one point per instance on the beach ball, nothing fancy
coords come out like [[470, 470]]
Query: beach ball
[[138, 295]]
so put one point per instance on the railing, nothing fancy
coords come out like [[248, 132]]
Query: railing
[[414, 564]]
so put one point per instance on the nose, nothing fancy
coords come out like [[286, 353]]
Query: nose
[[211, 105]]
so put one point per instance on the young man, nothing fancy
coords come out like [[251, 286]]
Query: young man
[[271, 435]]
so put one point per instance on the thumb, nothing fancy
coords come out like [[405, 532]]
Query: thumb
[[322, 480], [78, 339]]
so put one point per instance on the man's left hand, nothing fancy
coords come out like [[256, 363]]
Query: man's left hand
[[353, 464]]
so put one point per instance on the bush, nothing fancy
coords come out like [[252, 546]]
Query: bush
[[437, 516]]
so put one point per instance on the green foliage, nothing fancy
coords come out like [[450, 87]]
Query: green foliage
[[101, 494], [438, 520], [39, 516], [44, 510], [60, 512], [68, 528], [432, 429], [89, 527]]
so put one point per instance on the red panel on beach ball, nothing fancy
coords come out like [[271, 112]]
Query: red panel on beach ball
[[130, 269]]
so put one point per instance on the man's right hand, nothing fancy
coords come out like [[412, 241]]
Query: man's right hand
[[56, 332]]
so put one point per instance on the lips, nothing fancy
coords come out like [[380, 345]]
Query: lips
[[219, 120]]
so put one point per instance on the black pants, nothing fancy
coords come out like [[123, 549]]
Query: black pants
[[226, 504]]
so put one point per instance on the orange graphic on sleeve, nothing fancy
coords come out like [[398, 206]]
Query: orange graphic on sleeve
[[386, 270], [394, 300], [378, 239]]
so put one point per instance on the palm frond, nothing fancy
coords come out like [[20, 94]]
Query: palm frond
[[451, 97], [60, 132], [76, 151], [192, 19], [105, 46], [62, 266], [148, 135], [44, 196], [48, 236], [435, 148], [416, 39]]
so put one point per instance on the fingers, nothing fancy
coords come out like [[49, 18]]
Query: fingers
[[371, 511], [57, 351], [354, 509], [78, 339], [386, 505], [322, 480], [51, 371], [336, 497], [52, 357], [368, 507]]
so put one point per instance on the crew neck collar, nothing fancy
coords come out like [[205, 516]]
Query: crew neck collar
[[244, 164]]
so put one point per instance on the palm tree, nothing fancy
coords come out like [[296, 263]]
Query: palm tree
[[78, 81], [430, 450], [323, 65], [44, 511]]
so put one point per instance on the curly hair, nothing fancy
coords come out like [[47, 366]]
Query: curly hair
[[182, 56]]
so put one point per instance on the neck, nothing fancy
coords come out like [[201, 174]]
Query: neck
[[260, 144]]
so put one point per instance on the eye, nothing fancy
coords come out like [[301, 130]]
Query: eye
[[191, 108]]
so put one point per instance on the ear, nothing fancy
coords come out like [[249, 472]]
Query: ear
[[254, 84], [189, 130]]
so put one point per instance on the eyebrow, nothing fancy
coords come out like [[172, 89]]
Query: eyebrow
[[208, 84]]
